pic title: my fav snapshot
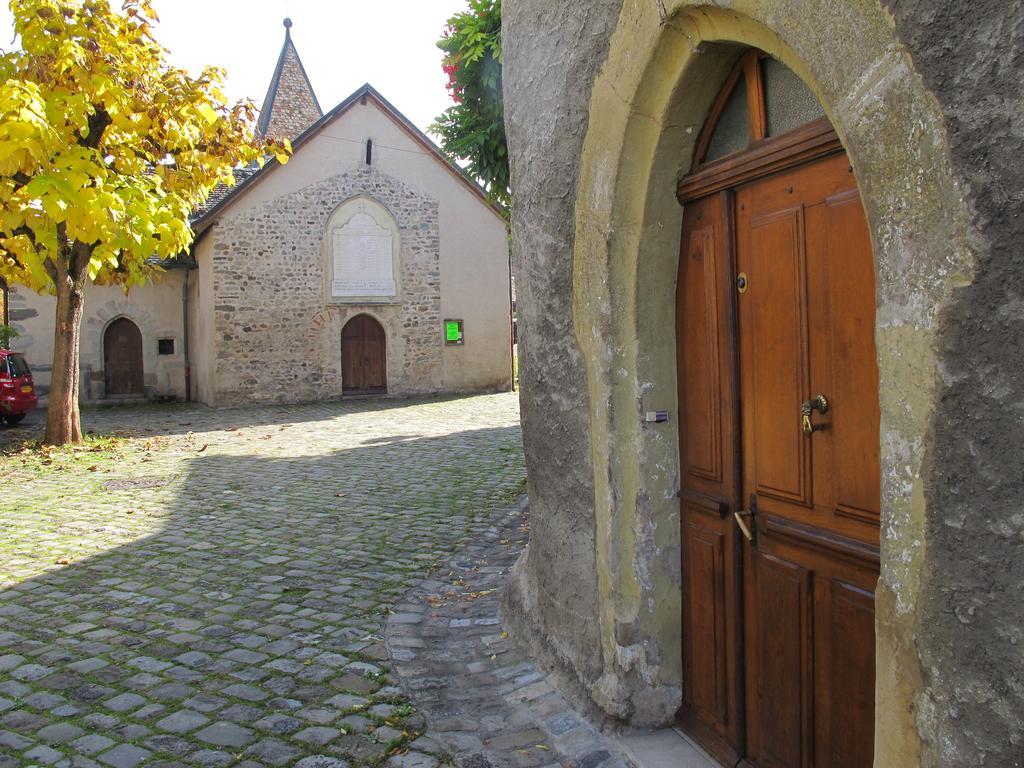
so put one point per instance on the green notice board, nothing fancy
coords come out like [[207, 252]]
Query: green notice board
[[453, 331]]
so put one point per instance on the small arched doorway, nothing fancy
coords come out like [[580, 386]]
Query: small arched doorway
[[779, 433], [122, 359], [363, 357]]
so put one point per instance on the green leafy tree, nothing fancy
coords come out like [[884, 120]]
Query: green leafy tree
[[473, 129], [105, 150], [7, 335]]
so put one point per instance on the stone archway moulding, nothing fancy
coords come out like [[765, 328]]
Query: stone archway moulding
[[372, 222], [94, 331], [665, 64], [116, 310]]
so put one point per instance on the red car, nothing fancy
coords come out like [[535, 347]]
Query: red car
[[17, 390]]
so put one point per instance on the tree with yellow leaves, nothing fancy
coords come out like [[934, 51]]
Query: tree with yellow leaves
[[105, 151]]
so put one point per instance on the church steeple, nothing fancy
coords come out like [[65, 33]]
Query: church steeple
[[290, 106]]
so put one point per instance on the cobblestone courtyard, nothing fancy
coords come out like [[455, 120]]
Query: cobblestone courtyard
[[208, 588]]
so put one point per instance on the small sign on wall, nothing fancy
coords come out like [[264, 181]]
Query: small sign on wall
[[453, 333]]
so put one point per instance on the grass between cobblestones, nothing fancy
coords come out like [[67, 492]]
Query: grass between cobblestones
[[197, 587]]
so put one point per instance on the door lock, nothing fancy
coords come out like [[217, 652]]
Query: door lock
[[818, 403]]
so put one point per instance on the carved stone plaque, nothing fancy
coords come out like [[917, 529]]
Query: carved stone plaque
[[363, 260]]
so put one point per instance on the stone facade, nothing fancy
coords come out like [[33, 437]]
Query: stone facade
[[923, 95], [274, 255], [268, 308]]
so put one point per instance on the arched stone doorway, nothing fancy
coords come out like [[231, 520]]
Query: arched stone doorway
[[363, 357], [122, 359], [899, 157], [652, 89], [778, 433]]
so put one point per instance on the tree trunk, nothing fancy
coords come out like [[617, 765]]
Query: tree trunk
[[63, 423]]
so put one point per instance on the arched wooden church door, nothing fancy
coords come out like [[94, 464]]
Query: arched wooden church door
[[122, 358], [779, 434], [363, 357]]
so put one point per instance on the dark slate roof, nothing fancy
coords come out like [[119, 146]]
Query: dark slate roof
[[183, 260], [202, 221], [222, 191], [290, 105]]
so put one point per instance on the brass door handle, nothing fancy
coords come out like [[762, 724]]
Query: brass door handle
[[743, 523], [818, 403], [751, 512]]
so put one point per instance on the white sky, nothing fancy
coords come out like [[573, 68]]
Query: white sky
[[342, 44]]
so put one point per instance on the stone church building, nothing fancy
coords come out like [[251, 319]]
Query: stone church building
[[769, 282], [368, 264]]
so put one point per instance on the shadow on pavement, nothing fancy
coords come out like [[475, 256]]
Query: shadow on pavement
[[246, 624]]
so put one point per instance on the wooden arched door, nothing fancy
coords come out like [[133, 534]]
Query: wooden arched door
[[122, 358], [363, 357], [779, 421]]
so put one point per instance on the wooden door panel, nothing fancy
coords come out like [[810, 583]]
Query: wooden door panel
[[774, 332], [704, 558], [706, 355], [363, 356], [122, 363], [372, 329], [702, 444], [779, 661], [846, 458], [352, 364], [709, 457], [786, 621], [352, 354], [712, 708], [842, 572], [833, 641], [806, 328], [374, 364], [846, 626]]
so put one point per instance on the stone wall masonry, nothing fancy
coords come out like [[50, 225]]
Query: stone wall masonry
[[552, 55], [971, 602], [277, 336]]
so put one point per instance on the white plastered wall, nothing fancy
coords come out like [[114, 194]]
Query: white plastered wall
[[202, 347], [156, 308]]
